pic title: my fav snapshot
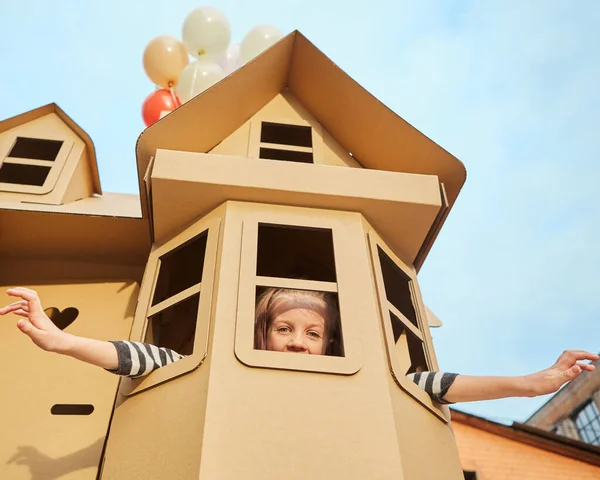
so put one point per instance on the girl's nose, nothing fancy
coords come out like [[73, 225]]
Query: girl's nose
[[297, 344]]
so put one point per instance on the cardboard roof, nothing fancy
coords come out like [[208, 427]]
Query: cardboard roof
[[104, 228], [101, 229], [77, 237], [376, 136], [26, 117]]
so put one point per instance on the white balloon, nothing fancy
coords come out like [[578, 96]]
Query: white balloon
[[206, 33], [258, 40], [230, 60], [197, 77]]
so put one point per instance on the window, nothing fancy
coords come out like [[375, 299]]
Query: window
[[587, 420], [292, 251], [279, 141], [32, 165], [406, 336], [178, 290], [293, 141]]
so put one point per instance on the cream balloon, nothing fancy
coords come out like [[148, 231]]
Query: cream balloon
[[197, 77], [206, 33], [258, 40], [164, 59], [230, 59]]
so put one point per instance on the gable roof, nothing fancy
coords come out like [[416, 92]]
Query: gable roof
[[39, 112], [376, 136]]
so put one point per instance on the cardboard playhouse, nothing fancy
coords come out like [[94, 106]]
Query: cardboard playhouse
[[286, 173]]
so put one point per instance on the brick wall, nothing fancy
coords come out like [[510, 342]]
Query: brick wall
[[494, 457]]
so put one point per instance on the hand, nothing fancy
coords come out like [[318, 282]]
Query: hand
[[36, 325], [568, 366]]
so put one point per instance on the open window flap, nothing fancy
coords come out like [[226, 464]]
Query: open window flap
[[148, 189], [432, 319]]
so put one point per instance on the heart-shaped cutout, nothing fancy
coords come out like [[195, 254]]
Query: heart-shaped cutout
[[62, 319]]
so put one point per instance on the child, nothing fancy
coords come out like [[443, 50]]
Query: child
[[289, 321], [275, 330]]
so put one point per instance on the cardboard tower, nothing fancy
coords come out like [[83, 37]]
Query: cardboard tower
[[286, 173]]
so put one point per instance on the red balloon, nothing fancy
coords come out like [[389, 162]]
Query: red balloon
[[163, 100]]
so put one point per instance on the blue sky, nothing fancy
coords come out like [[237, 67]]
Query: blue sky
[[510, 88]]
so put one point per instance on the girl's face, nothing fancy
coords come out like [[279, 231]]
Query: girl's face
[[298, 330]]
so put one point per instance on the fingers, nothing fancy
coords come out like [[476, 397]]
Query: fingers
[[24, 293], [587, 367], [28, 296], [571, 373], [27, 328], [572, 356], [21, 313], [14, 306]]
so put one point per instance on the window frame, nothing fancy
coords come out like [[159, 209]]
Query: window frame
[[581, 411], [254, 143], [56, 165], [244, 349], [407, 385], [203, 318]]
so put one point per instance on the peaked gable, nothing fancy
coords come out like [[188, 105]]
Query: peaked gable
[[53, 108], [377, 137]]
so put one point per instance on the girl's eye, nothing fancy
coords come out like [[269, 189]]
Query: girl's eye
[[314, 334], [284, 329]]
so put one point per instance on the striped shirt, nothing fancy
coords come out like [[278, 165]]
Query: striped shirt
[[436, 384], [137, 359]]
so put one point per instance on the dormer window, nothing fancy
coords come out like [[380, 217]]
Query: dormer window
[[32, 165], [293, 141]]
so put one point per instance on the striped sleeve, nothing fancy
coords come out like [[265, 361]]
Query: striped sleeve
[[137, 359], [436, 384]]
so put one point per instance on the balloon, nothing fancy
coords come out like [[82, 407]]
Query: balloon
[[156, 103], [230, 59], [197, 77], [164, 59], [206, 33], [258, 40]]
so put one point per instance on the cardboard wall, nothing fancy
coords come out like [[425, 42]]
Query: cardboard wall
[[158, 430], [36, 443], [187, 185], [286, 108], [230, 419]]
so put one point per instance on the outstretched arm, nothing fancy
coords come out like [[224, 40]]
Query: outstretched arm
[[131, 359], [42, 331], [465, 388], [568, 366]]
